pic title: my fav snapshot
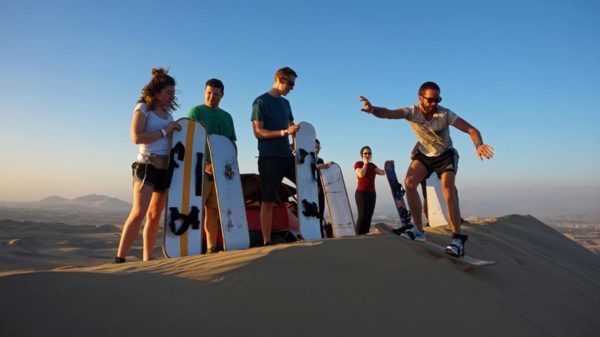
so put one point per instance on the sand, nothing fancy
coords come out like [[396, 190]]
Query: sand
[[377, 285]]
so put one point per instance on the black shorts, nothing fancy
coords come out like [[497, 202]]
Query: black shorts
[[151, 176], [447, 161], [272, 170]]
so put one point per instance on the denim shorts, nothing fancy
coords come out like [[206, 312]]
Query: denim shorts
[[150, 176]]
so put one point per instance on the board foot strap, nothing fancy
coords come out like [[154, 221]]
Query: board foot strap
[[310, 209], [403, 229], [313, 165], [199, 173], [303, 155], [179, 151], [405, 216], [190, 219]]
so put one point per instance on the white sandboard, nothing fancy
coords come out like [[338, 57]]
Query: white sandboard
[[306, 182], [466, 262], [185, 192], [232, 211], [338, 205], [436, 205]]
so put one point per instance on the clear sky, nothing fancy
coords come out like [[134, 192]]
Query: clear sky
[[525, 73]]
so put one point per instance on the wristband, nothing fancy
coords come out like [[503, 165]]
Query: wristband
[[478, 144], [282, 132], [164, 132]]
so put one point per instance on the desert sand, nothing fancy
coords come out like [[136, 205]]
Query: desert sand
[[55, 281]]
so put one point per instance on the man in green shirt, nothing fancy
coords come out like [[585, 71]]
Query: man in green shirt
[[216, 121]]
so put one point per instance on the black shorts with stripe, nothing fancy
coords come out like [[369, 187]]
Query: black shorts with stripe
[[447, 161]]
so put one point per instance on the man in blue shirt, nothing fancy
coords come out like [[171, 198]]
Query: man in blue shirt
[[273, 123]]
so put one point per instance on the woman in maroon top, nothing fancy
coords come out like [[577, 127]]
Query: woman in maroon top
[[365, 191]]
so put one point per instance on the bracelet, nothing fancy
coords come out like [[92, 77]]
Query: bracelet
[[164, 132], [478, 144], [282, 132], [372, 110]]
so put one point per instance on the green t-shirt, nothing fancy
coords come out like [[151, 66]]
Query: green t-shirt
[[216, 121], [276, 114]]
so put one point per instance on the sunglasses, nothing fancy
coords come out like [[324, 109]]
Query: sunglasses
[[366, 153], [432, 99]]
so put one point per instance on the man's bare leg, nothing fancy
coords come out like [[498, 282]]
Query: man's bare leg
[[414, 176], [266, 220], [451, 197], [211, 224]]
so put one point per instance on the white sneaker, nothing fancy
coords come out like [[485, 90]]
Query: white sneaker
[[457, 245], [414, 234]]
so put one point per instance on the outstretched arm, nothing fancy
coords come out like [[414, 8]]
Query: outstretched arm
[[381, 112], [483, 150]]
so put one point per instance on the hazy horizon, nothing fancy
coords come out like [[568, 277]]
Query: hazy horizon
[[538, 200]]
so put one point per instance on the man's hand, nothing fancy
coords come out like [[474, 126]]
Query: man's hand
[[485, 151], [324, 166], [209, 169], [367, 106], [292, 129]]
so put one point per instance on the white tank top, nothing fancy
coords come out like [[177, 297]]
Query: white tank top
[[153, 123]]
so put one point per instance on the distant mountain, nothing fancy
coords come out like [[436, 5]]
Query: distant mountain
[[54, 199], [86, 202], [101, 201]]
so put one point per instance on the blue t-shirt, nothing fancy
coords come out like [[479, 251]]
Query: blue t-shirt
[[276, 114]]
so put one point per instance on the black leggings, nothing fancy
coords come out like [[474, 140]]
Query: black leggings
[[365, 204]]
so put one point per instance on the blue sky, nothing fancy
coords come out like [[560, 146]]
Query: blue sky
[[525, 73]]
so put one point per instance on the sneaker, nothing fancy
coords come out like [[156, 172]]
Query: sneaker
[[118, 260], [413, 234], [457, 245]]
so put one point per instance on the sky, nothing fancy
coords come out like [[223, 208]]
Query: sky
[[525, 73]]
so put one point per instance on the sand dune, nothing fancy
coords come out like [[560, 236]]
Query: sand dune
[[378, 285], [41, 245]]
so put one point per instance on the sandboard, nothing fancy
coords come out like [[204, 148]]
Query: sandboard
[[436, 205], [183, 212], [397, 192], [306, 181], [465, 261], [234, 225], [338, 205]]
